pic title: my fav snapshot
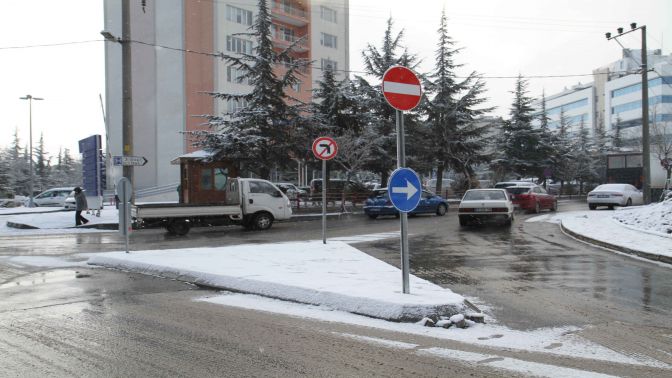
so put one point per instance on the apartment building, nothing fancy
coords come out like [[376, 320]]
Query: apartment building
[[173, 69]]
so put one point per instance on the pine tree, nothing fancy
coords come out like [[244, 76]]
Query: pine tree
[[583, 157], [5, 174], [518, 144], [261, 131], [548, 142], [376, 63], [19, 167], [42, 166], [452, 137]]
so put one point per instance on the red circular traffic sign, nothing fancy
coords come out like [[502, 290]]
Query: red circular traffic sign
[[401, 88], [325, 148]]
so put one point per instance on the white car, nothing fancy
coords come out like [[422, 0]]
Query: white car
[[52, 197], [485, 205], [614, 195], [291, 190]]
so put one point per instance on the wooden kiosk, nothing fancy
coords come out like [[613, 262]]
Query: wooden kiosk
[[203, 181]]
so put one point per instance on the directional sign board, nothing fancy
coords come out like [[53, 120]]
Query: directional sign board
[[401, 88], [129, 160], [325, 148], [404, 189]]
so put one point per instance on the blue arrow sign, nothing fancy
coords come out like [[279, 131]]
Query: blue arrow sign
[[404, 189]]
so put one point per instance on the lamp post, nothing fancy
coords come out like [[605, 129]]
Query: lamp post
[[30, 142], [646, 154]]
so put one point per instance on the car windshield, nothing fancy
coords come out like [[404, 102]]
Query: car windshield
[[484, 195], [518, 189]]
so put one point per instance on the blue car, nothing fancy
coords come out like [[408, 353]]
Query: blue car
[[379, 204]]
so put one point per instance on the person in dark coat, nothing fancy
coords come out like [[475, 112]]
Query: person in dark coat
[[80, 205]]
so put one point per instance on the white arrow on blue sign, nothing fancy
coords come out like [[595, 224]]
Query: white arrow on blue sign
[[404, 189]]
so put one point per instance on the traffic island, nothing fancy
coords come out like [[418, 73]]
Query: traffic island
[[335, 275]]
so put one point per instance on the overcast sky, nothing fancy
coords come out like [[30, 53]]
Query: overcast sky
[[499, 38]]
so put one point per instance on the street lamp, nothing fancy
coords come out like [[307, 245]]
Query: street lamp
[[646, 155], [30, 123]]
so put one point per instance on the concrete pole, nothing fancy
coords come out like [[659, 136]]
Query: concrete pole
[[646, 154], [127, 98]]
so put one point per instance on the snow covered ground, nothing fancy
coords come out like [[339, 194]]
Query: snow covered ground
[[638, 228], [53, 220]]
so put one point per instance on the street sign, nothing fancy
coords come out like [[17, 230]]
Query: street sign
[[404, 189], [325, 148], [401, 88], [129, 160]]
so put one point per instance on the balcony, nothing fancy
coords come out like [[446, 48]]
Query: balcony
[[283, 41], [288, 14]]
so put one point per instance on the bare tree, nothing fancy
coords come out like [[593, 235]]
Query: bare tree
[[661, 141]]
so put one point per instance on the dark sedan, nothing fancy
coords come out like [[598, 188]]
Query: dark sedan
[[379, 204]]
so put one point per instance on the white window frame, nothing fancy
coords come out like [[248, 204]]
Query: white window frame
[[328, 40], [326, 61], [328, 14], [239, 15], [235, 104], [239, 45], [234, 75]]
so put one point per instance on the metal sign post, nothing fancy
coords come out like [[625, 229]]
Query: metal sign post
[[402, 90], [125, 192], [324, 148]]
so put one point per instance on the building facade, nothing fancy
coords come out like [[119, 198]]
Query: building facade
[[173, 69], [613, 100]]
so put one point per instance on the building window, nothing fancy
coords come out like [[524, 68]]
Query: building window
[[296, 87], [328, 14], [638, 87], [567, 107], [283, 33], [238, 45], [206, 179], [236, 75], [328, 40], [235, 104], [655, 100], [328, 64], [238, 15]]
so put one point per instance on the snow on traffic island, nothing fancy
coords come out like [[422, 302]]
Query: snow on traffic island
[[334, 275]]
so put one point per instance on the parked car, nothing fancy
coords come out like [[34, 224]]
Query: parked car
[[485, 205], [614, 195], [292, 191], [70, 203], [337, 189], [532, 198], [379, 204], [506, 184], [51, 197]]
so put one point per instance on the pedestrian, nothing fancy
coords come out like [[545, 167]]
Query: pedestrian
[[80, 205]]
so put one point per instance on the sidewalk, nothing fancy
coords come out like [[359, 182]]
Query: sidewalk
[[601, 227]]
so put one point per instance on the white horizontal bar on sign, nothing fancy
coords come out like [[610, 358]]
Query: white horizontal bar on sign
[[401, 88]]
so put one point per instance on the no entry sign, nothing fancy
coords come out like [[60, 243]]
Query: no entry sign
[[325, 148], [401, 88]]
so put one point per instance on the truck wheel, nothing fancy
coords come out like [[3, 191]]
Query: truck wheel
[[263, 221], [179, 227], [464, 221]]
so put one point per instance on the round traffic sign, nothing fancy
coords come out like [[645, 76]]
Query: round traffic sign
[[401, 88], [404, 189], [325, 148]]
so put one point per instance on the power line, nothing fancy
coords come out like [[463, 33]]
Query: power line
[[212, 54]]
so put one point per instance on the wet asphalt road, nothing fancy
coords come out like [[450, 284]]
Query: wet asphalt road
[[526, 277]]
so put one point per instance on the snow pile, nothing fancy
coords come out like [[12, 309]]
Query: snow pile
[[652, 218], [334, 275]]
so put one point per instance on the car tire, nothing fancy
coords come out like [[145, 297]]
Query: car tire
[[611, 207], [441, 210], [555, 206], [509, 221], [537, 207], [373, 216], [263, 221], [592, 207], [464, 221], [179, 227], [629, 203]]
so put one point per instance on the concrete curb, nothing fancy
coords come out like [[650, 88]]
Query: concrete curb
[[645, 255], [98, 226], [21, 226]]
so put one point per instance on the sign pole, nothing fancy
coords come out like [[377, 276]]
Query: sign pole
[[125, 191], [324, 202], [403, 216]]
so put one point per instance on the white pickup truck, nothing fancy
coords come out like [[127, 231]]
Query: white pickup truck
[[252, 203]]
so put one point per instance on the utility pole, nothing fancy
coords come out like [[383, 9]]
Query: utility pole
[[30, 142], [127, 101], [646, 154]]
